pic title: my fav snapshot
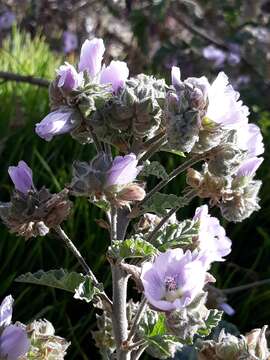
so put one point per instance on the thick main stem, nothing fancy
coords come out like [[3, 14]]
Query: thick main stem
[[119, 223]]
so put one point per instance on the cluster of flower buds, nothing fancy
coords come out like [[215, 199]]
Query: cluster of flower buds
[[252, 346], [32, 212], [76, 93], [107, 179], [135, 113]]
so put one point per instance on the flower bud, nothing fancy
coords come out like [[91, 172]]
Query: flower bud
[[132, 192], [58, 122], [22, 177], [91, 56], [69, 79], [115, 74]]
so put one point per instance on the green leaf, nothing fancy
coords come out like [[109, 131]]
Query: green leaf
[[159, 203], [132, 248], [211, 322], [156, 169], [159, 328], [86, 290], [176, 152], [176, 235], [59, 279]]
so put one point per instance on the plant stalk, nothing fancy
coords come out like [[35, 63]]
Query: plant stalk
[[70, 245], [119, 225]]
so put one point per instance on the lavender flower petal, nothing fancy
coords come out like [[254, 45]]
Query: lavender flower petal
[[58, 122], [21, 176], [69, 79], [115, 74], [176, 76], [91, 56], [6, 311], [13, 342], [224, 107], [212, 240], [249, 167], [123, 170], [249, 137]]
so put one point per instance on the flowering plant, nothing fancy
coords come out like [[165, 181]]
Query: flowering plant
[[128, 120]]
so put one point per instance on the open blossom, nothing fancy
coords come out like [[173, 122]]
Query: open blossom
[[224, 107], [58, 122], [14, 342], [115, 74], [69, 79], [92, 52], [173, 280], [22, 177], [212, 240]]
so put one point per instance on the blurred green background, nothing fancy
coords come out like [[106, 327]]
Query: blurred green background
[[36, 37]]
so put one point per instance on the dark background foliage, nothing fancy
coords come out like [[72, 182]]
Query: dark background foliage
[[151, 36]]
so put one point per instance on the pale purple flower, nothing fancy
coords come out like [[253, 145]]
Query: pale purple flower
[[6, 20], [225, 108], [115, 74], [56, 123], [227, 309], [212, 241], [249, 167], [14, 342], [176, 76], [70, 41], [249, 137], [6, 311], [21, 176], [69, 78], [91, 56], [173, 280], [123, 170], [214, 54]]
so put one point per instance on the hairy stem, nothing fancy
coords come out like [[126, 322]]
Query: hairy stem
[[137, 319], [119, 225], [70, 245]]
